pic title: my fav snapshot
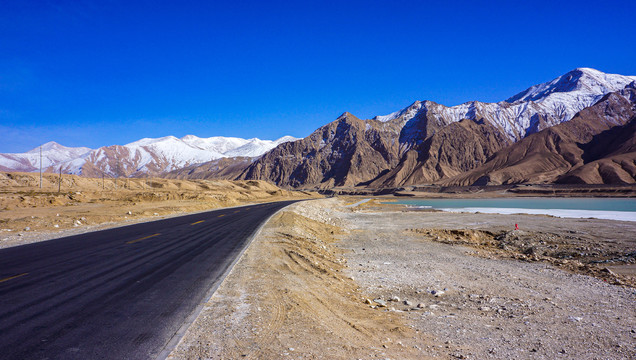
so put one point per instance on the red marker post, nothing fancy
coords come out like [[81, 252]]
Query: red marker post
[[516, 226]]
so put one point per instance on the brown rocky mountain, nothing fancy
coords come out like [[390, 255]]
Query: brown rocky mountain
[[452, 150], [344, 152], [596, 146]]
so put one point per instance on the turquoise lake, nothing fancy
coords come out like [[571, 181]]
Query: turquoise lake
[[600, 208]]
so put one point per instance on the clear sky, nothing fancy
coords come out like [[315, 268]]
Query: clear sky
[[95, 73]]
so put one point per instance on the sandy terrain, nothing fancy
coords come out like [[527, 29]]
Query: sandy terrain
[[28, 213], [372, 282]]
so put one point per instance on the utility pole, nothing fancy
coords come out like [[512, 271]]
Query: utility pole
[[40, 167]]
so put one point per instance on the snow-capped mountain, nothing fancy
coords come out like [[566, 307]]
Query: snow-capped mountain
[[539, 107], [52, 153], [150, 156], [427, 141], [422, 143]]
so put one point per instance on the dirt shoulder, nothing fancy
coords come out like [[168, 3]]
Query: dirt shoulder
[[326, 281], [290, 297]]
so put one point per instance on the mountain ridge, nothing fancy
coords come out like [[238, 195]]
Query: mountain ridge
[[425, 142]]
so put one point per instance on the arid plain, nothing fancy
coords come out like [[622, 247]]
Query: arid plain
[[336, 278]]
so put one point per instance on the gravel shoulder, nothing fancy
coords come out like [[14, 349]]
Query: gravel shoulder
[[326, 281]]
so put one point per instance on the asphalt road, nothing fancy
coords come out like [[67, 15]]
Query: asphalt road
[[121, 293]]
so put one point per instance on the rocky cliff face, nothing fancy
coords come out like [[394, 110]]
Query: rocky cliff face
[[452, 150], [345, 152], [596, 146]]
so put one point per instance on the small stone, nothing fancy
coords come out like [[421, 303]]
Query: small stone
[[27, 228], [155, 214], [367, 301], [56, 226], [129, 213], [380, 302], [407, 303], [608, 271], [395, 298], [484, 308], [421, 305], [437, 293], [83, 218]]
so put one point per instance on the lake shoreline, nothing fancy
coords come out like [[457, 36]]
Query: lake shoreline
[[620, 209]]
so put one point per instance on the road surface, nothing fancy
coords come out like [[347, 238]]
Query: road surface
[[121, 293]]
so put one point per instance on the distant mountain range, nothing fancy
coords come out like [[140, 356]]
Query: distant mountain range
[[145, 157], [577, 128]]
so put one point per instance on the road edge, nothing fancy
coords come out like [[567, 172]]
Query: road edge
[[178, 336]]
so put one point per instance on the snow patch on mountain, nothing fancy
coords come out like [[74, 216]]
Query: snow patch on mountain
[[530, 111]]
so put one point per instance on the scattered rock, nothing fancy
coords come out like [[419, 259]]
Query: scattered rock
[[380, 302], [608, 271], [407, 303], [27, 228], [395, 298]]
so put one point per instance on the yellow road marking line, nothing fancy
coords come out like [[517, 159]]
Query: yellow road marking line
[[198, 222], [143, 238], [12, 277], [221, 215]]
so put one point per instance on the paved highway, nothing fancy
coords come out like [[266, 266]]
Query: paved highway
[[121, 293]]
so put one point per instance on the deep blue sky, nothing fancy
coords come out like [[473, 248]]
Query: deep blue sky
[[94, 73]]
